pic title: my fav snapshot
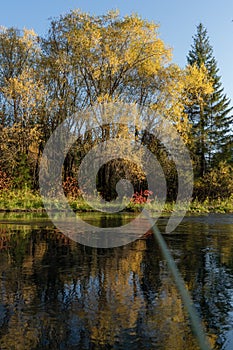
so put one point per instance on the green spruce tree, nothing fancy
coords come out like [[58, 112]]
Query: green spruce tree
[[211, 120]]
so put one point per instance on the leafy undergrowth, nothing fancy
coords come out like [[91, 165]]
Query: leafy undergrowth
[[27, 200], [20, 200]]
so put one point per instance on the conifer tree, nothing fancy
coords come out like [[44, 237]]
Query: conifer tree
[[211, 119]]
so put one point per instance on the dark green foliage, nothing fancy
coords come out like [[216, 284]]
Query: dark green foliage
[[212, 121], [22, 173]]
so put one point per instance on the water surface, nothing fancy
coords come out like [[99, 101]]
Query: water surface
[[58, 294]]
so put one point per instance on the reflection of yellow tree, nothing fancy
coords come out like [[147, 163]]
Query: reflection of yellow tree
[[226, 246], [122, 295], [21, 335], [103, 291], [169, 320], [22, 330], [201, 262]]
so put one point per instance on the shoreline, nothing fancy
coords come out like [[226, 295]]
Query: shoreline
[[191, 210], [27, 201]]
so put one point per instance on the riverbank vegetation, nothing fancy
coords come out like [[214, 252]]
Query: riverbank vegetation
[[86, 60], [29, 201]]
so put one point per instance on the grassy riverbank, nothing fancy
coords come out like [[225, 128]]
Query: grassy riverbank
[[26, 200]]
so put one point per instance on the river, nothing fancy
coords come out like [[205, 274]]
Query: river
[[58, 294]]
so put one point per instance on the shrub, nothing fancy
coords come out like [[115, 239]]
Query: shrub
[[141, 197], [216, 184], [5, 181], [71, 189]]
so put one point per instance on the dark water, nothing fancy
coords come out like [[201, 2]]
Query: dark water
[[58, 294]]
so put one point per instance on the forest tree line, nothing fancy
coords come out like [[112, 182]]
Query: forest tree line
[[84, 60]]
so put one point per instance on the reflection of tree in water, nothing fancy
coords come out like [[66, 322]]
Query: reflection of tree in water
[[58, 294], [212, 293], [205, 262]]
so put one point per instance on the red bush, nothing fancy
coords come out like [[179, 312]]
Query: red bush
[[141, 197]]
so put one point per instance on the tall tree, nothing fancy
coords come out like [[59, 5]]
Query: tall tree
[[210, 117], [21, 95], [92, 59], [85, 60]]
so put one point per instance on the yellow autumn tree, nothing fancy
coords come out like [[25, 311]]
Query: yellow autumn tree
[[84, 60], [97, 59], [22, 94]]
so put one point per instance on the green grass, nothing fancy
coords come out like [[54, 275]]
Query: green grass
[[27, 200], [20, 200], [212, 206]]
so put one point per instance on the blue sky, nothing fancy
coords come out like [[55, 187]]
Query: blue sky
[[177, 18]]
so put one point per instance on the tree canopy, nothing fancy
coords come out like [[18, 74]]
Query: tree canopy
[[211, 119], [84, 60]]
